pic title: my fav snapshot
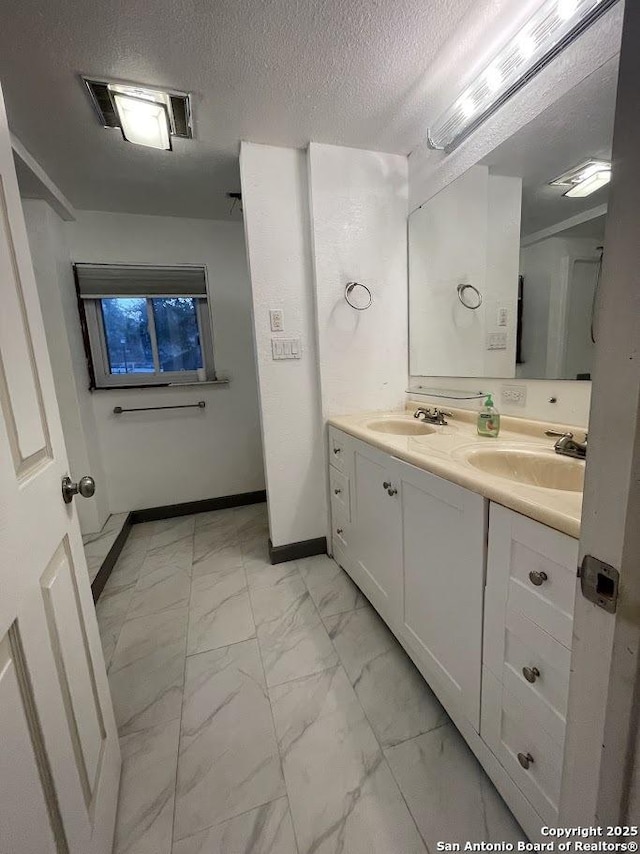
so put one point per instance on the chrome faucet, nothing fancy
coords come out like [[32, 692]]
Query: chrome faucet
[[567, 445], [435, 416]]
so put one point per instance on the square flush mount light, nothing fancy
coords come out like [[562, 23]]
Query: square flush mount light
[[145, 116], [554, 25], [584, 179]]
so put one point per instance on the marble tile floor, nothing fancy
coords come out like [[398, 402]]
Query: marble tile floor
[[98, 545], [268, 710]]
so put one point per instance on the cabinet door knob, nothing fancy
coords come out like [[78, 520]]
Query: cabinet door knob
[[337, 450], [392, 491], [337, 491], [339, 531], [537, 578], [525, 759], [386, 484], [530, 673]]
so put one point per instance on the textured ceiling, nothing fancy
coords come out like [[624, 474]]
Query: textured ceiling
[[576, 127], [284, 72]]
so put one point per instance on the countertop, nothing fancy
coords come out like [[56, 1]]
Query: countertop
[[443, 453]]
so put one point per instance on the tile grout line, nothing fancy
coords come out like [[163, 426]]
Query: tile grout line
[[366, 717], [184, 682], [273, 720]]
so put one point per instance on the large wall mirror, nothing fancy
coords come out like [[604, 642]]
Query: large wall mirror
[[504, 264]]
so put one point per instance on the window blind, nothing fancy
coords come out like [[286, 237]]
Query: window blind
[[121, 280]]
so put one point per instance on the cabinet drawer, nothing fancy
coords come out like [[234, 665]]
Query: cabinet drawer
[[337, 449], [510, 729], [531, 569], [340, 529], [340, 493], [548, 604], [547, 662]]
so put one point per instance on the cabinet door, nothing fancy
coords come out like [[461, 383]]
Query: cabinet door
[[443, 540], [376, 531]]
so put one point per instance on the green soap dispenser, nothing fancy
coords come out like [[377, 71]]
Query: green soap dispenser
[[488, 419]]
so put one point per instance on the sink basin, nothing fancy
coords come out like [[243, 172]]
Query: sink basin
[[401, 427], [537, 468]]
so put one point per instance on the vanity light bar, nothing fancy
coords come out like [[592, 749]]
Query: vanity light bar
[[547, 32]]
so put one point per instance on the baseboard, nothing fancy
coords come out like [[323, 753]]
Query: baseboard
[[102, 576], [296, 551], [153, 514]]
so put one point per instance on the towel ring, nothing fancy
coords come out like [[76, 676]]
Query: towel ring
[[348, 292], [461, 289]]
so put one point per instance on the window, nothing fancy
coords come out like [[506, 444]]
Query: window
[[145, 325]]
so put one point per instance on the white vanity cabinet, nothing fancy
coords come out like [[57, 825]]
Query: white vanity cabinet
[[443, 559], [415, 545], [481, 598], [531, 587]]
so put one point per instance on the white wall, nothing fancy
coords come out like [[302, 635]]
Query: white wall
[[56, 289], [276, 215], [358, 205], [468, 234], [570, 406], [546, 267], [158, 458]]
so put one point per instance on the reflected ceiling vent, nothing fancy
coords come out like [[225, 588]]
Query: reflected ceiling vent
[[145, 116]]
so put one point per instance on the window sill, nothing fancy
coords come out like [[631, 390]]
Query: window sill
[[197, 384]]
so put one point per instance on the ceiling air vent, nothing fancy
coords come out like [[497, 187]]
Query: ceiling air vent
[[102, 103], [181, 114]]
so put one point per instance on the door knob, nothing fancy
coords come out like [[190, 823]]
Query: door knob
[[525, 759], [537, 578], [530, 673], [337, 491], [85, 487]]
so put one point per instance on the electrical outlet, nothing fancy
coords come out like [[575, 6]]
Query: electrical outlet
[[515, 395], [276, 316]]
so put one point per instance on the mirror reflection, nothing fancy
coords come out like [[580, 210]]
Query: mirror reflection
[[505, 262]]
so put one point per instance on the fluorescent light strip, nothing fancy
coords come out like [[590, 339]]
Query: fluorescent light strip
[[546, 33]]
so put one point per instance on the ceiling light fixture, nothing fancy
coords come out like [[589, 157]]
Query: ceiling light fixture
[[549, 30], [584, 179], [149, 117]]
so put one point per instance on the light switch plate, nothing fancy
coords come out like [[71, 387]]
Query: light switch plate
[[503, 316], [497, 341], [276, 317], [286, 348]]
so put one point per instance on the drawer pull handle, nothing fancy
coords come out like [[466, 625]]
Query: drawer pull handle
[[337, 450], [530, 673], [525, 759], [337, 491], [537, 578], [339, 531]]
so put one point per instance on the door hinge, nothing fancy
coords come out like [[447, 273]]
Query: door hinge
[[599, 583]]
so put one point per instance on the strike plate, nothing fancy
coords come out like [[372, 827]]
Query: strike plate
[[599, 583]]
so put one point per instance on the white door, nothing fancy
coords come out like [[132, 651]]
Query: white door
[[443, 542], [376, 531], [59, 753]]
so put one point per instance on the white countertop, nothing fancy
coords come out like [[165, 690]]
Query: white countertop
[[443, 453]]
